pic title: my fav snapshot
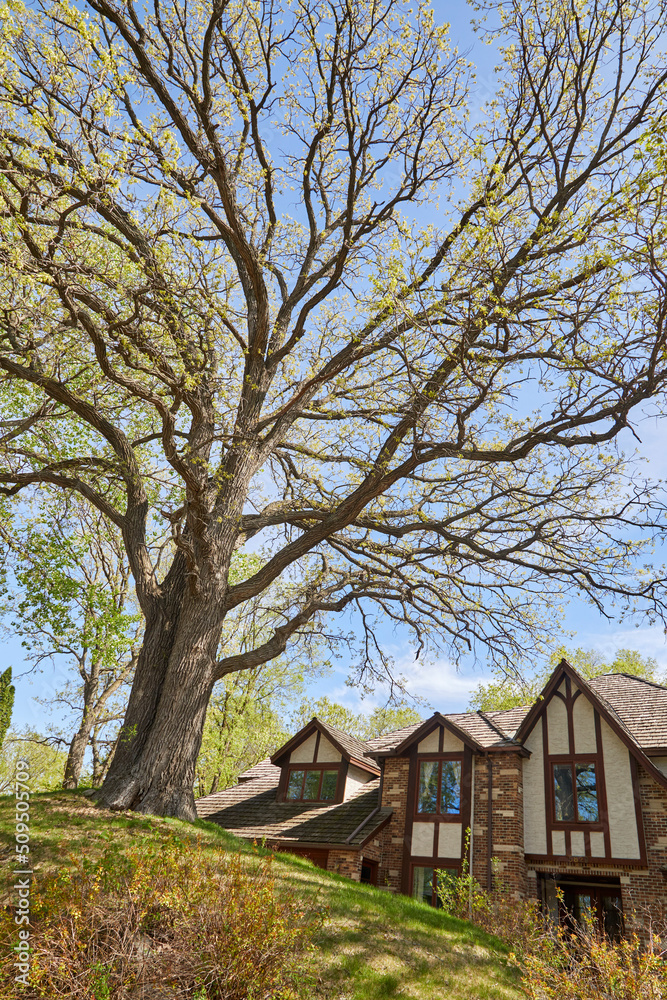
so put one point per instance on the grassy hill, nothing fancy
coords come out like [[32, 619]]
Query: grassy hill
[[370, 944]]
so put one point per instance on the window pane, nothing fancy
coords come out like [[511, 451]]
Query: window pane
[[450, 797], [311, 790], [295, 783], [422, 881], [329, 782], [428, 787], [612, 917], [563, 792], [587, 796]]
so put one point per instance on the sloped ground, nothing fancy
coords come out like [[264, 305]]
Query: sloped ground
[[371, 944]]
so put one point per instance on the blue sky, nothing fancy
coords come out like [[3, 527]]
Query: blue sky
[[436, 680]]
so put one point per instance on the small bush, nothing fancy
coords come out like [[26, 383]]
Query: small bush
[[582, 964], [179, 919]]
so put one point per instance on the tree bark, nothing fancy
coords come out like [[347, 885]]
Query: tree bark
[[77, 751], [153, 769]]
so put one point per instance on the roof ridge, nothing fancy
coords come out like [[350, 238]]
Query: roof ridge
[[493, 725], [632, 677]]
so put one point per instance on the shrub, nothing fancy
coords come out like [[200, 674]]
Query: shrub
[[577, 963], [582, 964], [193, 922]]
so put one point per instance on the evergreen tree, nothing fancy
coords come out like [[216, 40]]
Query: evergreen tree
[[6, 702]]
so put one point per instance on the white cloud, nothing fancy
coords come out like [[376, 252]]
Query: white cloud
[[649, 641]]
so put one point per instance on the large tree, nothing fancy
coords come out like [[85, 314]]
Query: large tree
[[271, 276]]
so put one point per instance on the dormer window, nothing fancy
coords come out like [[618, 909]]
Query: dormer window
[[575, 792], [312, 784], [439, 789]]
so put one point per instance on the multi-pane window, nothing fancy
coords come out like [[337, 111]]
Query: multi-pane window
[[312, 785], [575, 793], [439, 789], [424, 884]]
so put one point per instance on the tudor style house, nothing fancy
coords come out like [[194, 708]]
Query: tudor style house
[[569, 793]]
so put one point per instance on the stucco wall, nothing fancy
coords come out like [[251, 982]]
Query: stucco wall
[[356, 777], [583, 719], [327, 753], [534, 817], [620, 796], [305, 752]]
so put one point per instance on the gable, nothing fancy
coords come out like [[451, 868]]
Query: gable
[[580, 785]]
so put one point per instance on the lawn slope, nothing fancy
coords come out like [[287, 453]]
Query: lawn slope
[[371, 944]]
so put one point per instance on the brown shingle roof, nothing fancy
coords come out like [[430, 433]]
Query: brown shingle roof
[[639, 705], [391, 740], [352, 746], [265, 769], [250, 810]]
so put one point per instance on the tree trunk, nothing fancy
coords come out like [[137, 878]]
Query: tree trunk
[[153, 769], [77, 751]]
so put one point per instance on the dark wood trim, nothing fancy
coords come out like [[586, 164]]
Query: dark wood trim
[[409, 820], [424, 730], [569, 707], [373, 867], [430, 863], [363, 765], [342, 780], [638, 810], [281, 757], [489, 824], [602, 777], [565, 669], [562, 859], [317, 746], [466, 796], [305, 767], [438, 816], [374, 832], [276, 844], [282, 785], [579, 824], [441, 738], [548, 791]]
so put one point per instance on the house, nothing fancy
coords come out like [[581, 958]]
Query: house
[[569, 793]]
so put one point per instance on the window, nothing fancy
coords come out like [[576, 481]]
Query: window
[[439, 789], [312, 785], [575, 793], [424, 881]]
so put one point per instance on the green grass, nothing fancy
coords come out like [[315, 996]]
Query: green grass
[[372, 945]]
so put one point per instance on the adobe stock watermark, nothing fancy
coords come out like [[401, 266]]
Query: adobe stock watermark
[[22, 871]]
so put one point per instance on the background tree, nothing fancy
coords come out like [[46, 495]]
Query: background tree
[[382, 719], [223, 310], [71, 601], [6, 703], [507, 692], [46, 760]]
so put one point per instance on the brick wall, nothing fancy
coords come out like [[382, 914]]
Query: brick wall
[[645, 891], [395, 795], [507, 822], [345, 863]]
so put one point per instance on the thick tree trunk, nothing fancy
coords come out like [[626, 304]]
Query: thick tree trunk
[[153, 769]]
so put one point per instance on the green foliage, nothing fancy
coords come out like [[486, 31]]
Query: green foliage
[[461, 895], [242, 726], [46, 761], [6, 703], [582, 964], [505, 693], [383, 719], [200, 921]]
